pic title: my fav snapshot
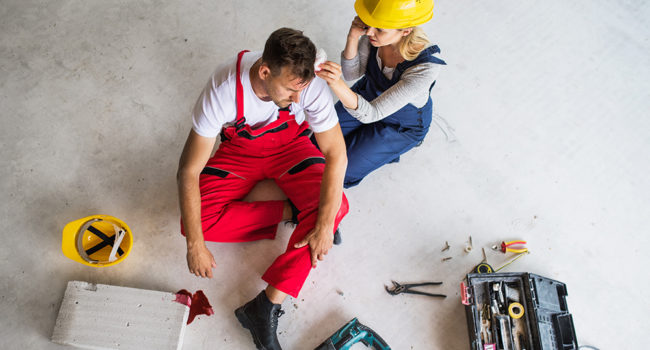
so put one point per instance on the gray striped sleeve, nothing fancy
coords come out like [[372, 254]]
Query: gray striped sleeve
[[356, 67], [412, 87]]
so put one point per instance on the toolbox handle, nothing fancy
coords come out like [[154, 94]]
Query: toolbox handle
[[465, 295]]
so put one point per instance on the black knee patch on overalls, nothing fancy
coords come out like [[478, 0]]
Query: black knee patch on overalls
[[216, 172], [305, 164]]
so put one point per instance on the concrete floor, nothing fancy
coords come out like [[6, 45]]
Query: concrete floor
[[547, 139]]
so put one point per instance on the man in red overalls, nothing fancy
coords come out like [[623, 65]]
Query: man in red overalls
[[263, 105]]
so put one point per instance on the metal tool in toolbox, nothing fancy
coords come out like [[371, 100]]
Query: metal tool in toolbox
[[353, 332], [399, 288]]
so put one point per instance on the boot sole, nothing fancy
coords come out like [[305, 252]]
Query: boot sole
[[248, 324]]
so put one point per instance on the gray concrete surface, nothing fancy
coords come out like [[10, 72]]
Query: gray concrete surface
[[548, 140]]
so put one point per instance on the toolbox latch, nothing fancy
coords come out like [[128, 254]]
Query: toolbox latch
[[465, 294]]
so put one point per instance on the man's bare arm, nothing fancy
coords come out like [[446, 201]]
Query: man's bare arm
[[195, 155], [320, 239], [332, 145]]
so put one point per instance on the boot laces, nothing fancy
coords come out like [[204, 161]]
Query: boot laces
[[274, 319]]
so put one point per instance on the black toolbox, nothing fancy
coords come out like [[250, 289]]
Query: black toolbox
[[517, 311]]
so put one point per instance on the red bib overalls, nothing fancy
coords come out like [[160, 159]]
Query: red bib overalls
[[281, 151]]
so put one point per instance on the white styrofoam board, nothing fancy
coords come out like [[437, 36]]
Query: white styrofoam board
[[99, 316]]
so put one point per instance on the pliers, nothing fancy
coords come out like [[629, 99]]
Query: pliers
[[406, 288], [505, 247]]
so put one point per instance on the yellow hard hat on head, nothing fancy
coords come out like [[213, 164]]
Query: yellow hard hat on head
[[97, 240], [394, 14]]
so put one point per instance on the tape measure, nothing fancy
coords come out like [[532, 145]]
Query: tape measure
[[515, 310], [483, 268]]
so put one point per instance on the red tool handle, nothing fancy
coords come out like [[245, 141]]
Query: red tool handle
[[505, 245]]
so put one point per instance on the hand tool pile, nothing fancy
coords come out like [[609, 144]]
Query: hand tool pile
[[503, 326]]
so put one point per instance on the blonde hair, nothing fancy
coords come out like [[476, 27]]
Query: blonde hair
[[412, 44]]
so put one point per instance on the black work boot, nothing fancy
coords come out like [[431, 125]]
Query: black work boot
[[337, 237], [260, 316], [294, 213]]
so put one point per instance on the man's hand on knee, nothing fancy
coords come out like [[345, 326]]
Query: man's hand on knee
[[200, 261], [319, 241]]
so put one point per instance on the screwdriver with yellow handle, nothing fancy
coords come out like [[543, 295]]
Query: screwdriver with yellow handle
[[505, 247]]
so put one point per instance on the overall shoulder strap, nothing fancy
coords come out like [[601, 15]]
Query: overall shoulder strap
[[427, 55], [241, 120]]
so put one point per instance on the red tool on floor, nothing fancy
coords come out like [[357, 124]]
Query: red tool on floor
[[505, 247]]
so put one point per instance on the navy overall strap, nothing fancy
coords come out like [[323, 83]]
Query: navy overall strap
[[426, 56], [382, 83]]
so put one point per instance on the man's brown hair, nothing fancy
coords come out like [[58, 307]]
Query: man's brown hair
[[289, 48]]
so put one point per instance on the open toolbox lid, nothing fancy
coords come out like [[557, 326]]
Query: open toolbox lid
[[547, 318]]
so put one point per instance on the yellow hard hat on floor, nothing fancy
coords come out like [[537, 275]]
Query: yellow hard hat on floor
[[394, 14], [97, 240]]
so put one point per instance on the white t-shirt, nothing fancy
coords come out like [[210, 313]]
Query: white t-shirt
[[217, 105]]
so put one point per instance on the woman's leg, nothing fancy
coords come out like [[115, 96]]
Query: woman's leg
[[373, 145], [348, 122]]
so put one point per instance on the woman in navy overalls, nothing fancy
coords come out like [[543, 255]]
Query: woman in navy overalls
[[399, 64]]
